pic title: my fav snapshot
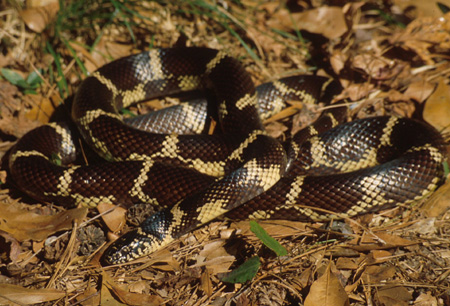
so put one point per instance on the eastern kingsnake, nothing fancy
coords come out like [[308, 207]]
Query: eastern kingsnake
[[358, 167]]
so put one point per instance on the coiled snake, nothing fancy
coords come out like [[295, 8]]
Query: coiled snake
[[358, 167]]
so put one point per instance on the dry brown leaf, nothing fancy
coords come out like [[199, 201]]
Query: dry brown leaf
[[215, 258], [126, 297], [438, 203], [13, 120], [276, 129], [17, 294], [217, 265], [115, 219], [402, 109], [211, 250], [38, 18], [267, 43], [24, 225], [112, 49], [437, 108], [375, 66], [205, 283], [327, 291], [270, 7], [338, 60], [426, 299], [42, 110], [388, 239], [80, 48], [376, 274], [358, 91], [303, 280], [419, 91], [425, 36], [346, 263], [424, 227], [326, 20], [380, 255], [107, 297], [393, 295], [275, 228], [162, 260], [15, 249], [423, 8], [378, 241], [141, 286], [89, 297]]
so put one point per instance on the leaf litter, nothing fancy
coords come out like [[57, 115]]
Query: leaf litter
[[391, 58]]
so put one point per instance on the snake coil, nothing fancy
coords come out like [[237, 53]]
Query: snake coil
[[354, 168]]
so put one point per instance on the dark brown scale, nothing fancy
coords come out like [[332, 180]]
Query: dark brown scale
[[231, 83], [169, 184], [36, 174]]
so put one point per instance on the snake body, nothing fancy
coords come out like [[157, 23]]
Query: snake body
[[354, 168]]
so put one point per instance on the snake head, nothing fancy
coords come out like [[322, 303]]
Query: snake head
[[123, 249], [147, 238]]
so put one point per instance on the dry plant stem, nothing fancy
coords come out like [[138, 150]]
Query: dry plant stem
[[63, 264]]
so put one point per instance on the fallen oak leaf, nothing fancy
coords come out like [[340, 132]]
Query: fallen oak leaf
[[218, 265], [327, 291], [419, 91], [214, 258], [15, 248], [437, 108], [326, 20], [38, 18], [24, 225], [114, 216], [42, 109], [438, 203], [127, 297], [393, 295], [428, 37], [206, 284], [23, 296], [378, 241], [376, 274], [425, 299]]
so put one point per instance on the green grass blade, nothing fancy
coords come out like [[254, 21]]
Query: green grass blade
[[244, 272], [268, 240], [75, 56], [61, 80], [446, 168]]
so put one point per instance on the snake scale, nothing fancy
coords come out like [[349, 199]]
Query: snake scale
[[193, 177]]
